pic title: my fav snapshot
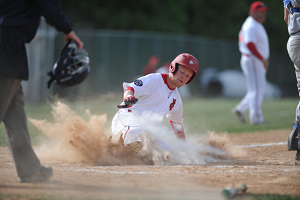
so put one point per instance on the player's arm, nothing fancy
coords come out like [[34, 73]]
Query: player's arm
[[251, 46], [286, 15], [178, 129], [128, 92], [52, 11], [129, 98]]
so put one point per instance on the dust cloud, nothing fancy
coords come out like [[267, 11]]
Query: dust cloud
[[82, 138]]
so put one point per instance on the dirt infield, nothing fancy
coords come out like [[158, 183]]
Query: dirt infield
[[266, 167]]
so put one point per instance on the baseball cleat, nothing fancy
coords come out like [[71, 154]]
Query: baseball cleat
[[239, 115], [135, 146]]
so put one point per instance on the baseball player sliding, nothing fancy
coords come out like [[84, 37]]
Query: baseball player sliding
[[254, 47], [157, 94]]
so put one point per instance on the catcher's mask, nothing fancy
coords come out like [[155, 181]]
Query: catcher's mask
[[72, 66]]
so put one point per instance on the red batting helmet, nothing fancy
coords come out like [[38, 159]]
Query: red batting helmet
[[186, 60]]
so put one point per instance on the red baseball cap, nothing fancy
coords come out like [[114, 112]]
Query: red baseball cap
[[258, 6]]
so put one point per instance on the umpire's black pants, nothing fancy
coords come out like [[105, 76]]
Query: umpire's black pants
[[13, 115]]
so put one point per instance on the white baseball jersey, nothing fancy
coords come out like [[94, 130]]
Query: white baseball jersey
[[154, 95], [253, 31]]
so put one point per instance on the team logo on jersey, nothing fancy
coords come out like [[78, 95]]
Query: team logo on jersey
[[193, 63], [172, 105], [138, 82]]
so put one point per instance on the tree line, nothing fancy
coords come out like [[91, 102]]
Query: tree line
[[211, 18]]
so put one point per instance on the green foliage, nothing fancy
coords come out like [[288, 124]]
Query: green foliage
[[213, 18]]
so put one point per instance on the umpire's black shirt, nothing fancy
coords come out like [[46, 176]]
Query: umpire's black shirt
[[19, 20]]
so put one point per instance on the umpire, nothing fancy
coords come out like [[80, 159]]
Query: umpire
[[19, 21]]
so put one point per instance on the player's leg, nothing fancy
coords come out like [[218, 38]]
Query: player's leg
[[164, 146], [122, 126], [9, 87], [116, 125], [296, 125], [254, 80], [243, 106], [293, 48], [259, 84], [132, 137], [27, 164]]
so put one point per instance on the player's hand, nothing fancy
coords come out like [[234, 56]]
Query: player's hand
[[72, 35], [266, 64], [130, 100]]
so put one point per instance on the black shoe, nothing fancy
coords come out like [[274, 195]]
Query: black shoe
[[293, 137], [43, 174], [297, 158]]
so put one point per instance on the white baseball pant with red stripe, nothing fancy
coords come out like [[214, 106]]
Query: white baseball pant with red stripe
[[127, 124]]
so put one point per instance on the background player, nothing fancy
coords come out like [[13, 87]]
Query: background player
[[292, 18], [254, 47], [151, 66], [19, 20], [156, 93]]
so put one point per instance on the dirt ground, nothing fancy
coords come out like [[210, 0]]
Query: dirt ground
[[266, 168]]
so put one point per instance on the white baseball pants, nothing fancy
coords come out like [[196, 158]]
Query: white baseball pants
[[127, 124], [255, 75], [293, 48]]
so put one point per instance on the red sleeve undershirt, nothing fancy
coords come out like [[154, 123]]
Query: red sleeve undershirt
[[130, 88], [253, 49]]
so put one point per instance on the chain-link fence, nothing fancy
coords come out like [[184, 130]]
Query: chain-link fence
[[118, 56]]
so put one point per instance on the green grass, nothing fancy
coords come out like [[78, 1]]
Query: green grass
[[200, 115]]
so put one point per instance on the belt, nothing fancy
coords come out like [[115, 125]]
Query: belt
[[247, 55], [295, 32], [296, 9]]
